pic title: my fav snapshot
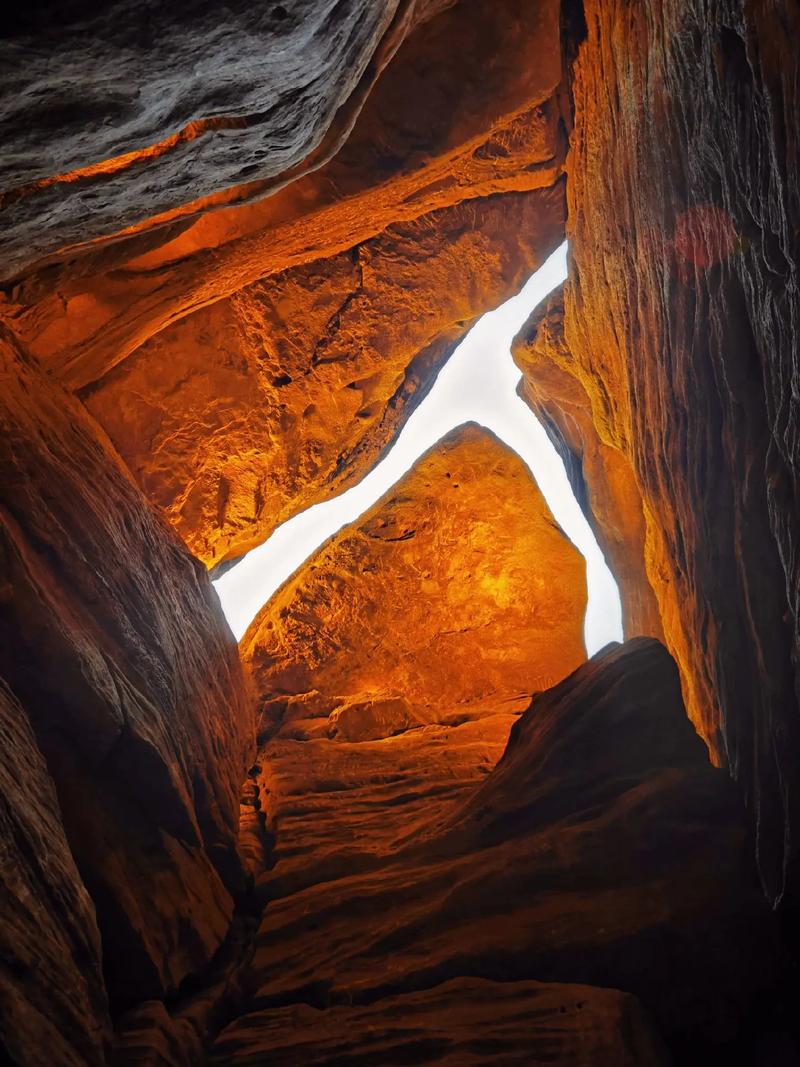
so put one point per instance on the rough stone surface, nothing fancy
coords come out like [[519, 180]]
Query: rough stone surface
[[603, 848], [471, 106], [601, 476], [682, 312], [456, 586], [459, 1023], [182, 101], [52, 1000], [114, 643], [254, 408]]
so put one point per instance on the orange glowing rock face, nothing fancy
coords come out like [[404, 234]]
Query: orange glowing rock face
[[558, 390], [250, 410], [456, 587]]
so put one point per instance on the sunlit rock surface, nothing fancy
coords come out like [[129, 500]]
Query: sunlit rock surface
[[603, 848], [113, 642], [682, 314], [601, 476], [456, 586], [254, 408], [52, 1000]]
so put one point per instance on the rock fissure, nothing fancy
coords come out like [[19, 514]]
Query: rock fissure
[[406, 819]]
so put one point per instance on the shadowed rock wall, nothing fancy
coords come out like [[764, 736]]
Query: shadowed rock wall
[[53, 1005], [147, 108], [258, 406], [113, 642], [681, 316]]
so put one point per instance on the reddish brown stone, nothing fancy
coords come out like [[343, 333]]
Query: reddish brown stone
[[52, 1000], [115, 645], [682, 317]]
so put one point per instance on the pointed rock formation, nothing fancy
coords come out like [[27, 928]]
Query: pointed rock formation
[[456, 587]]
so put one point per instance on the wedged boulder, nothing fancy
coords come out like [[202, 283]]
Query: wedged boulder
[[53, 1006], [682, 314], [256, 407], [456, 587], [604, 848], [459, 1023], [113, 641]]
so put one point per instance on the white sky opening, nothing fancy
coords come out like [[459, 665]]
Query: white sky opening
[[477, 384]]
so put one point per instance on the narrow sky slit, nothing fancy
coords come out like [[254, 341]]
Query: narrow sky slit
[[477, 384]]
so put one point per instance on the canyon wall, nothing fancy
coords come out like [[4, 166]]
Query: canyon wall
[[254, 237], [681, 318], [113, 643]]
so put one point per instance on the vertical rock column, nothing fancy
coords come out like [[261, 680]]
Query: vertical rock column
[[682, 312]]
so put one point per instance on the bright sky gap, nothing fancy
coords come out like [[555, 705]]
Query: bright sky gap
[[478, 384]]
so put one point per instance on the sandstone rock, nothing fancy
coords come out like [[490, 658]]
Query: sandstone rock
[[52, 1000], [459, 1023], [456, 586], [682, 314], [336, 805], [247, 412], [146, 109], [472, 106], [601, 476], [604, 848], [114, 642]]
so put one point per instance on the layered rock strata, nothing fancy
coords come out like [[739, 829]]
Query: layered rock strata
[[53, 1006], [681, 320], [456, 586], [603, 849], [448, 121], [113, 642], [182, 103]]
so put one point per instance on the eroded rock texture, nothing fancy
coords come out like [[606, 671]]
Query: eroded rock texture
[[149, 108], [52, 1000], [461, 1023], [456, 586], [601, 475], [603, 849], [470, 106], [113, 642], [682, 315], [254, 408]]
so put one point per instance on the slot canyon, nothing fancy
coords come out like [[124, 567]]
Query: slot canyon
[[416, 795]]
